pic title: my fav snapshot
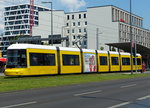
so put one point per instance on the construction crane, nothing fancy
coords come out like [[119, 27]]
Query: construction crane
[[31, 15]]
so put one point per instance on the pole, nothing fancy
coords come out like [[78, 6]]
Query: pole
[[131, 40], [52, 22], [97, 41], [136, 68]]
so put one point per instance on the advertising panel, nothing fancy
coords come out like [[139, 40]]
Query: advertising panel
[[89, 62]]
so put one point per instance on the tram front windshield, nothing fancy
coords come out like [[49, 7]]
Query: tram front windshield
[[16, 59]]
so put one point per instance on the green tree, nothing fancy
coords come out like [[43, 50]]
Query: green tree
[[113, 49], [101, 48]]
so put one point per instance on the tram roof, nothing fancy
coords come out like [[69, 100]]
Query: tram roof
[[68, 49], [26, 46], [104, 52], [123, 53], [112, 52], [88, 50], [34, 46]]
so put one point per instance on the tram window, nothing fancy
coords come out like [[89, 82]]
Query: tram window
[[70, 59], [103, 60], [49, 59], [114, 60], [125, 61], [40, 59], [138, 61], [16, 59]]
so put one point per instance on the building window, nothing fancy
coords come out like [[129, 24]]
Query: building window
[[79, 16], [26, 11], [26, 16], [85, 43], [84, 29], [84, 15], [78, 23], [113, 14], [36, 18], [72, 16], [36, 13], [78, 36], [79, 30], [67, 24], [68, 31], [67, 17], [36, 22], [85, 22], [80, 43], [74, 37], [73, 23], [72, 30]]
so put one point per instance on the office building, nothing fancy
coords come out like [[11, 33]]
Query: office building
[[17, 21]]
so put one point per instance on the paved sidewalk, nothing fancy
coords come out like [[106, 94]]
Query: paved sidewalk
[[147, 72], [2, 74]]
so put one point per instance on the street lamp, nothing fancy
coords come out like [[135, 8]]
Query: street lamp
[[51, 21], [131, 38]]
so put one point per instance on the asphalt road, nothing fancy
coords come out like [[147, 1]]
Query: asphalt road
[[128, 93]]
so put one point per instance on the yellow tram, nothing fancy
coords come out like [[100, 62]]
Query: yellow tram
[[29, 59]]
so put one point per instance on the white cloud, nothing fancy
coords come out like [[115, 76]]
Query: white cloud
[[73, 5]]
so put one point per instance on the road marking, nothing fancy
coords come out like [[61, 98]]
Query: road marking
[[145, 97], [119, 105], [128, 86], [85, 93], [7, 93], [17, 105]]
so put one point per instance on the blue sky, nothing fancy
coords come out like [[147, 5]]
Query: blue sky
[[139, 7]]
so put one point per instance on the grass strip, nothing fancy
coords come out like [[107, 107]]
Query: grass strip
[[8, 84]]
